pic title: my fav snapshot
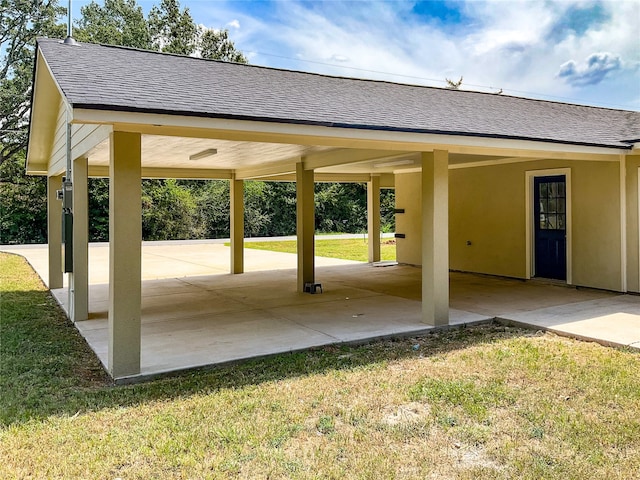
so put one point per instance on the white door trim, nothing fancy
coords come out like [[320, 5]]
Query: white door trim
[[530, 175]]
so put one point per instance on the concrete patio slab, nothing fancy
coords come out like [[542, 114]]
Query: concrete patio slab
[[613, 320], [194, 313], [211, 319]]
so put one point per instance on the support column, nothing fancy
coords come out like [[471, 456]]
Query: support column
[[632, 222], [79, 278], [236, 195], [435, 237], [305, 225], [373, 217], [54, 231], [125, 239]]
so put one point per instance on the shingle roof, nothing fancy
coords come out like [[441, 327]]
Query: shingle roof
[[117, 78]]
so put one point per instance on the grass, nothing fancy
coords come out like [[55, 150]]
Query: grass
[[347, 249], [480, 402]]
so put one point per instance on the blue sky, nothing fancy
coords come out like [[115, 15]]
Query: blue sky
[[575, 51]]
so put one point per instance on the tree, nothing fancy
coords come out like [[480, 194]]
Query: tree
[[216, 44], [173, 30], [341, 207], [23, 213], [280, 204], [117, 22], [168, 211], [387, 210], [23, 208], [21, 21], [213, 209], [98, 209]]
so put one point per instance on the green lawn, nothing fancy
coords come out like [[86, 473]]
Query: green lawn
[[482, 402], [349, 249]]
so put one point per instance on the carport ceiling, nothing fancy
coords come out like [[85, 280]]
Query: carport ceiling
[[175, 152]]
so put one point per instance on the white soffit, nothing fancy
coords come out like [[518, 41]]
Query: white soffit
[[174, 152]]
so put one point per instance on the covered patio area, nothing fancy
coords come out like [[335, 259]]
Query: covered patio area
[[484, 183], [194, 313]]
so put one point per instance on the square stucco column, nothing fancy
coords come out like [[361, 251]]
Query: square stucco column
[[632, 221], [236, 195], [373, 218], [305, 225], [54, 231], [435, 237], [79, 278], [125, 238]]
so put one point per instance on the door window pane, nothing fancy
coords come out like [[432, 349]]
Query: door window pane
[[561, 222], [552, 198]]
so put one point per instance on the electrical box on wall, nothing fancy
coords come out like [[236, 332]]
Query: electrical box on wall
[[67, 242], [66, 195]]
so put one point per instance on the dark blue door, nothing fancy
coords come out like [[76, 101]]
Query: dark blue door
[[550, 217]]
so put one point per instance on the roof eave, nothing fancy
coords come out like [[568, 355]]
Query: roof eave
[[245, 118], [45, 103], [333, 136]]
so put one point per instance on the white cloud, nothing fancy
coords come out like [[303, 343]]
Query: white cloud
[[338, 58], [590, 72], [234, 24], [518, 46]]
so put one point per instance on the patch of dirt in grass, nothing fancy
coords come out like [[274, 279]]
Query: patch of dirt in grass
[[473, 457], [404, 414]]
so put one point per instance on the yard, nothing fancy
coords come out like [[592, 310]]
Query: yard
[[481, 402], [349, 249]]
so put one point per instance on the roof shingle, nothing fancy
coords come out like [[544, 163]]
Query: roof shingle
[[117, 78]]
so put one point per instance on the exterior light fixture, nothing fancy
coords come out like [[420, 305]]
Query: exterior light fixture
[[393, 163], [203, 154]]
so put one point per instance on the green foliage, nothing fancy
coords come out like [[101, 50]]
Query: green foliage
[[168, 211], [117, 22], [256, 219], [21, 21], [280, 205], [387, 210], [98, 209], [341, 207], [213, 209], [172, 29], [23, 211], [216, 44]]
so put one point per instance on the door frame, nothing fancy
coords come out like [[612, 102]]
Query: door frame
[[530, 176]]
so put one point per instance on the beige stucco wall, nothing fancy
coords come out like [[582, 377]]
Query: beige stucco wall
[[633, 234], [596, 225], [487, 207]]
